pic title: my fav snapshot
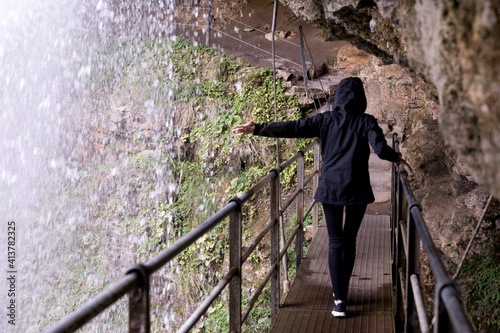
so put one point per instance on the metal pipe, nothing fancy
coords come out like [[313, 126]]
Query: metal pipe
[[394, 221], [311, 206], [404, 233], [286, 280], [289, 242], [427, 242], [289, 162], [419, 304], [95, 306], [398, 282], [298, 155], [315, 187], [257, 293], [138, 302], [263, 182], [235, 263], [290, 200], [256, 241], [273, 51], [311, 177], [458, 318], [168, 254], [299, 251], [412, 267], [196, 315], [304, 66], [98, 304], [402, 282], [275, 278]]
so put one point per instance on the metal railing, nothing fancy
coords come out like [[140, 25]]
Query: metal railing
[[136, 281], [409, 232]]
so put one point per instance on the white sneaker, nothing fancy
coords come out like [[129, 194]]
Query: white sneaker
[[339, 310]]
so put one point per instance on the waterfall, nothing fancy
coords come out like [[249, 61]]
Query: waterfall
[[61, 61]]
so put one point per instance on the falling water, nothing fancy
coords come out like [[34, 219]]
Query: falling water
[[61, 64]]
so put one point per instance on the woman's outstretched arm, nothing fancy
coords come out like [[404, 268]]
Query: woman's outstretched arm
[[303, 128]]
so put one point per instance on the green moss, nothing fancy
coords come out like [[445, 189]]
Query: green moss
[[203, 81], [218, 108], [483, 297]]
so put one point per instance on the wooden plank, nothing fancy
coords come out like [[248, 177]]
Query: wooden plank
[[308, 305]]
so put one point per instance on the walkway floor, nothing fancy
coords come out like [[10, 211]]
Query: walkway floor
[[308, 305]]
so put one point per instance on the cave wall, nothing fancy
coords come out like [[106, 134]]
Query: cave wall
[[453, 45]]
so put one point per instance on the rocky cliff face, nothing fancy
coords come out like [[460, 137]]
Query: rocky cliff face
[[435, 78], [453, 45]]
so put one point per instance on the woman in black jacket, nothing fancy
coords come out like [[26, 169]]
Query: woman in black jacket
[[345, 134]]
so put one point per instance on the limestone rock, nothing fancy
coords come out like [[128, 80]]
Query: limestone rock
[[308, 10], [454, 45], [316, 72], [280, 35]]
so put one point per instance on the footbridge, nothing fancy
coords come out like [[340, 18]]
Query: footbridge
[[385, 294]]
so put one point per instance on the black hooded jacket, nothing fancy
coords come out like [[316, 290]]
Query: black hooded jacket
[[344, 133]]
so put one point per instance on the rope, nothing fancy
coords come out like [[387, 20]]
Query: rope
[[256, 47], [273, 51], [286, 281], [246, 25], [238, 39], [314, 65], [261, 31], [472, 238]]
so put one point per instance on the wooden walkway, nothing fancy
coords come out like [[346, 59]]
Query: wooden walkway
[[308, 305]]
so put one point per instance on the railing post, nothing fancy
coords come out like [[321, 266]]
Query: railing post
[[304, 65], [394, 218], [300, 211], [138, 308], [399, 255], [401, 201], [235, 261], [275, 250], [442, 321], [412, 267], [315, 187]]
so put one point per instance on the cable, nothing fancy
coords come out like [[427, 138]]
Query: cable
[[314, 65], [261, 31], [256, 47], [246, 25], [238, 39], [472, 238]]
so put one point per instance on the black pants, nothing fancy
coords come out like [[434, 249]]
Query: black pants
[[342, 244]]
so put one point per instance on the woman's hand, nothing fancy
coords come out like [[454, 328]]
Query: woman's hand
[[402, 164], [246, 128]]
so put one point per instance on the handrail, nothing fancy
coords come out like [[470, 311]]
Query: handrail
[[408, 231], [136, 281]]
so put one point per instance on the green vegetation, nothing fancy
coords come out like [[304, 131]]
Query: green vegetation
[[215, 171], [152, 192], [484, 292]]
